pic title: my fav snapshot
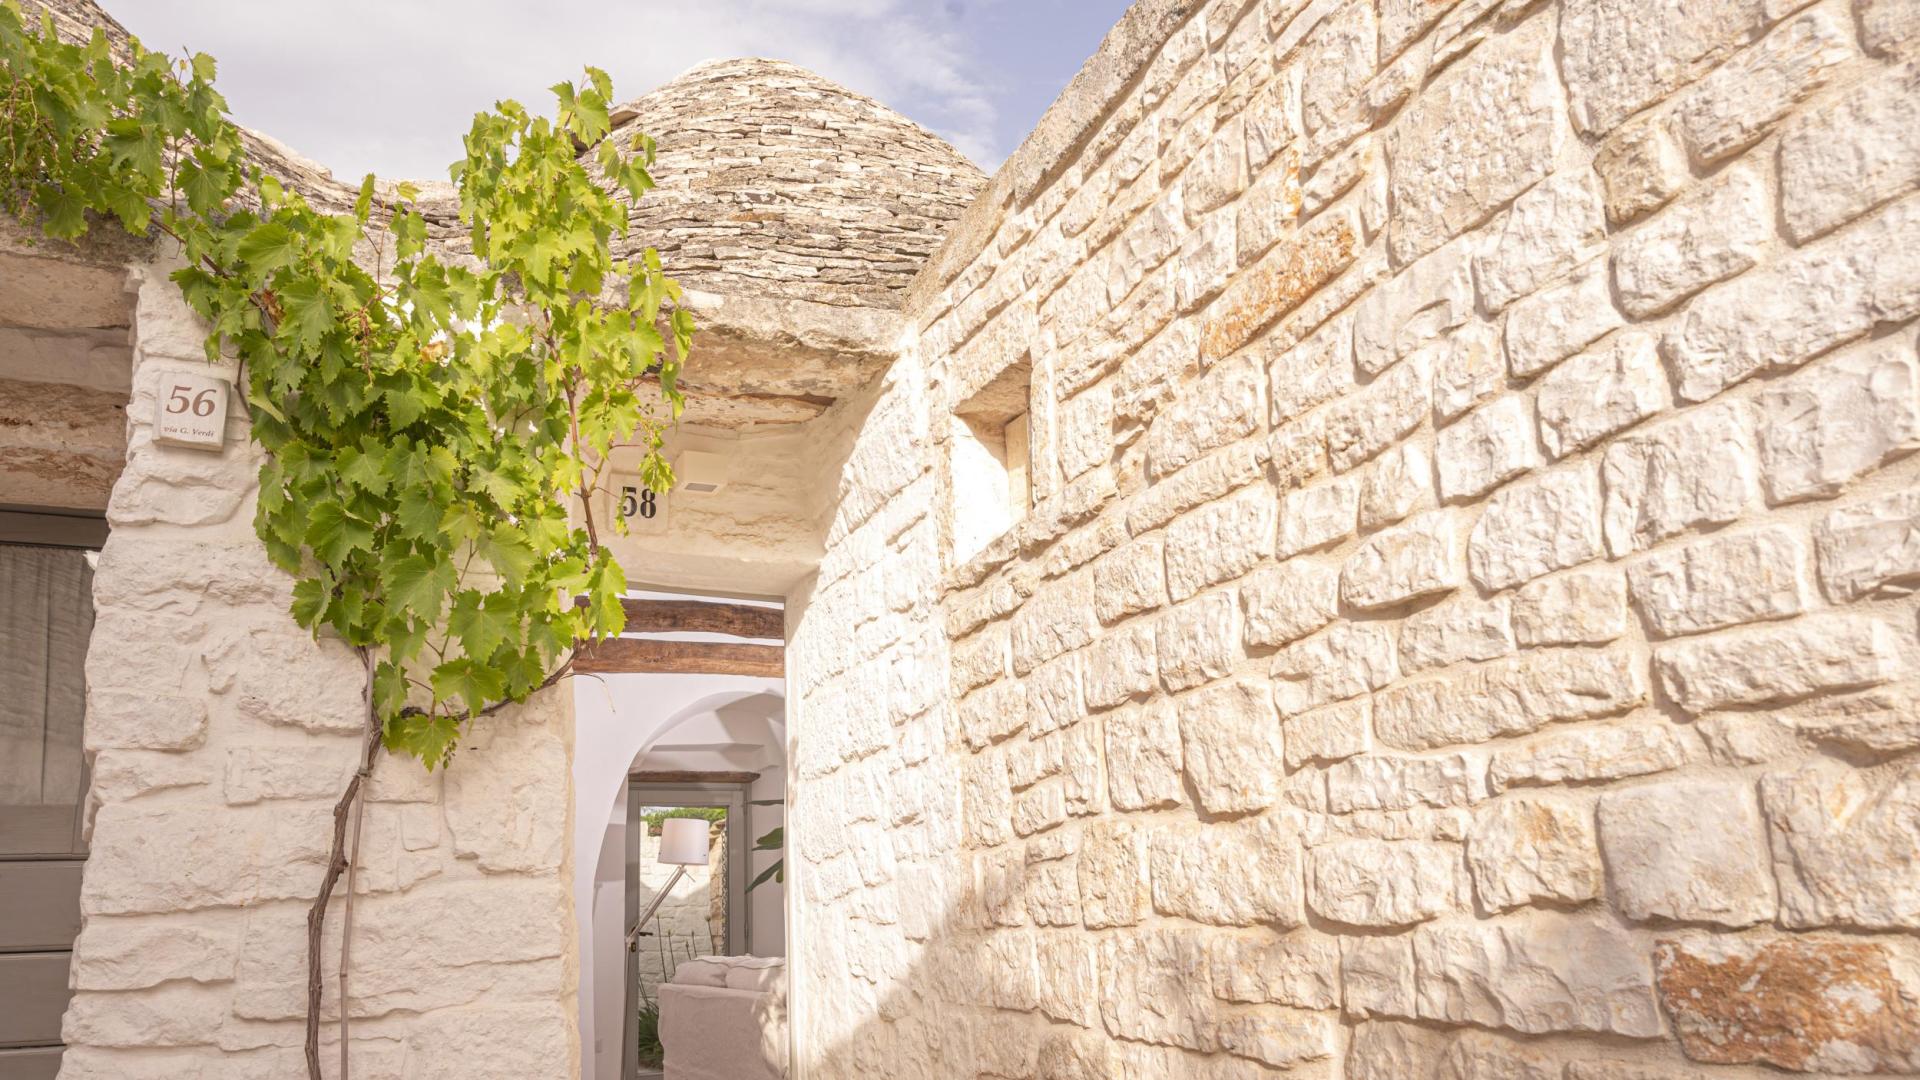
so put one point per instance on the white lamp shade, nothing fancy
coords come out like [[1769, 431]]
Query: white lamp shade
[[683, 841]]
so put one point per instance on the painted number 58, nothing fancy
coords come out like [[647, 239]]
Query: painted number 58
[[637, 502], [200, 404]]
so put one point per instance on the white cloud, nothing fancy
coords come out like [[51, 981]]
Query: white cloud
[[390, 85]]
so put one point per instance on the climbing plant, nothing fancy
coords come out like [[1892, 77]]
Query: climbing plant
[[435, 427]]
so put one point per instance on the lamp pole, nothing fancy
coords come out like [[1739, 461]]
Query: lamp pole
[[633, 935]]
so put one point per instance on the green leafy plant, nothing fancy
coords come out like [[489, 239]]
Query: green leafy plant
[[650, 1052], [774, 840], [655, 818], [430, 424]]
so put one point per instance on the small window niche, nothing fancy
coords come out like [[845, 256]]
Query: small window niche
[[991, 462]]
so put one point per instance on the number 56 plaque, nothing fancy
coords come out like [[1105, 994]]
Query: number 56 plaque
[[191, 410]]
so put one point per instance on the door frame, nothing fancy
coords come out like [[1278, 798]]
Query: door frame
[[640, 794]]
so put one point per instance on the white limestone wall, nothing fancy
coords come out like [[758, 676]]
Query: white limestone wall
[[1465, 625], [221, 736]]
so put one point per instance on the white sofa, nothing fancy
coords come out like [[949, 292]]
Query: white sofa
[[725, 1018]]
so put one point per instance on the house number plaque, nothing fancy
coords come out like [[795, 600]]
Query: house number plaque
[[191, 410], [643, 509]]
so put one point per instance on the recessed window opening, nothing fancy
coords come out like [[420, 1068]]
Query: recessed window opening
[[991, 462]]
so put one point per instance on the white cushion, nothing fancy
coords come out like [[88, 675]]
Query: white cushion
[[764, 974], [705, 971]]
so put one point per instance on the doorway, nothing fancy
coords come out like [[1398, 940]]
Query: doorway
[[46, 617], [704, 913]]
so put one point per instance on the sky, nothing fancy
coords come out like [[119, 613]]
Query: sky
[[389, 86]]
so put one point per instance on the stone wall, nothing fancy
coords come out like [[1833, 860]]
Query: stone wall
[[221, 736], [1463, 625]]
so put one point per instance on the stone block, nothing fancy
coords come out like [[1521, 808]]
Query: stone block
[[134, 954], [1698, 468], [1057, 618], [1456, 631], [1587, 754], [1468, 368], [125, 719], [1557, 322], [1287, 601], [1219, 542], [1053, 698], [1068, 966], [258, 773], [1600, 392], [1346, 661], [1580, 607], [993, 714], [1380, 782], [242, 855], [1396, 485], [1279, 283], [1313, 372], [1297, 970], [1339, 56], [1280, 1038], [1327, 734], [1551, 973], [508, 794], [1376, 416], [1144, 770], [1416, 307], [1782, 314], [1419, 558], [987, 800], [1880, 721], [1318, 516], [1484, 131], [1816, 1006], [1722, 581], [1641, 166], [1687, 851], [283, 677], [1385, 883], [1085, 430], [1823, 427], [1709, 236], [1846, 849], [1549, 230], [1270, 212], [1507, 697], [1155, 988], [1231, 874], [1618, 56], [1376, 973], [1039, 809], [1230, 742], [1732, 108], [1223, 407], [1843, 159], [1121, 665], [1485, 448], [1886, 25], [1525, 850], [1778, 663], [1869, 547], [979, 659], [1534, 527], [1113, 875], [1198, 641]]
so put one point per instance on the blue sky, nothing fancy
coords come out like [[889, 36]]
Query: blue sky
[[388, 85]]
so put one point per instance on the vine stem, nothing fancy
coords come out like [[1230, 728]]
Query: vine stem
[[337, 863]]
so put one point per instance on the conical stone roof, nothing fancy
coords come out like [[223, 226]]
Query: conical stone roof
[[775, 182]]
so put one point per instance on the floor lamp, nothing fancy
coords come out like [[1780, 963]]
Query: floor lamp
[[683, 843]]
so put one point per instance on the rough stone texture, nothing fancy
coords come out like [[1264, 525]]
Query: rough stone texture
[[1690, 851], [1809, 1005], [1527, 850], [1846, 847], [222, 735], [1346, 257], [1830, 424], [1587, 609], [1600, 392], [1556, 973]]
